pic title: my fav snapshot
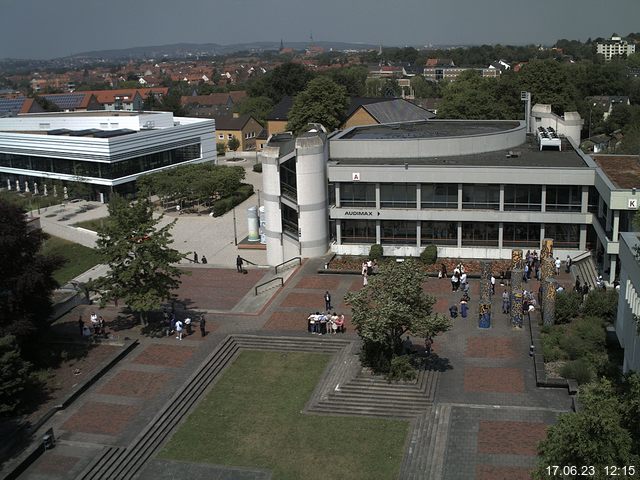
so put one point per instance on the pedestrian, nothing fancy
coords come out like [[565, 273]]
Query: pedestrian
[[505, 302], [204, 259], [81, 325], [187, 323], [101, 326], [173, 324], [239, 264], [568, 264], [203, 323], [493, 285], [453, 311], [179, 329], [327, 300], [463, 279], [558, 265], [577, 287], [464, 308], [365, 279], [195, 257], [428, 344], [585, 290], [443, 269]]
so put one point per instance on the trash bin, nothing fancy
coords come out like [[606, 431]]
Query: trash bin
[[49, 440]]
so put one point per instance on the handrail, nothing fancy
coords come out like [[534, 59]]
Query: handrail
[[247, 261], [268, 282], [287, 261]]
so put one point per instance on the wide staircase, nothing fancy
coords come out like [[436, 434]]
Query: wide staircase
[[585, 268], [371, 395], [118, 463], [424, 458]]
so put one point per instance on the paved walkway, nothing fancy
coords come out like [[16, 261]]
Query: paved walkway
[[497, 415]]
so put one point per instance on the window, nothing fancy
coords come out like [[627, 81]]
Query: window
[[444, 195], [561, 198], [439, 233], [290, 221], [398, 195], [523, 198], [358, 231], [358, 195], [220, 137], [481, 197], [594, 198], [564, 235], [521, 235], [229, 136], [479, 234], [398, 232], [288, 179]]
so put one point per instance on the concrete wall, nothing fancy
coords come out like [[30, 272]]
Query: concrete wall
[[271, 201]]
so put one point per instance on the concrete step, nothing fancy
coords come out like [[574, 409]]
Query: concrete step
[[400, 402], [101, 463], [367, 411], [414, 465], [438, 443], [349, 391]]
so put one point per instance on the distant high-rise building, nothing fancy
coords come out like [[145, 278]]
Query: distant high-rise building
[[614, 48]]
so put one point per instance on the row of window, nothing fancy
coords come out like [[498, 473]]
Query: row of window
[[563, 198], [113, 170], [401, 232], [247, 136]]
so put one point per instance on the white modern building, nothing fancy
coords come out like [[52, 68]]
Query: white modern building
[[627, 326], [475, 189], [106, 150], [615, 47]]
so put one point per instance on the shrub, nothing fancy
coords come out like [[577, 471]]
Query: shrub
[[376, 252], [401, 369], [257, 168], [222, 206], [429, 255], [580, 370], [553, 353], [221, 148], [567, 306], [601, 303], [14, 375]]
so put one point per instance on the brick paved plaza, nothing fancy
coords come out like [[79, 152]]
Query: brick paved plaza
[[497, 413]]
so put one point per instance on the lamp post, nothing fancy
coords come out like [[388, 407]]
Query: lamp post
[[590, 110]]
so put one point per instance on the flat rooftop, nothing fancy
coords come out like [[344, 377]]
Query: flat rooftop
[[429, 129], [90, 113], [622, 170], [526, 155]]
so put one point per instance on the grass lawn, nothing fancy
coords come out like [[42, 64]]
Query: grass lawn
[[79, 258], [252, 418], [91, 224]]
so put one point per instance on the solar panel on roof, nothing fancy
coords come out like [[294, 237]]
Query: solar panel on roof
[[11, 105], [66, 101], [58, 131], [83, 133]]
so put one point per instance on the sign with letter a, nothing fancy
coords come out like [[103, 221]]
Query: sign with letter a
[[632, 203], [355, 177]]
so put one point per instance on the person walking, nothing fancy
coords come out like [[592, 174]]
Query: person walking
[[81, 325], [195, 257], [179, 329], [505, 302], [568, 264], [428, 344], [203, 324], [558, 265], [187, 323], [493, 285], [327, 300], [239, 264], [464, 308], [204, 259]]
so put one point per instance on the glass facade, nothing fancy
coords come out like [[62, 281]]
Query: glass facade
[[290, 221], [110, 170], [523, 198], [443, 195], [594, 199], [479, 234], [358, 195], [398, 195], [439, 233], [564, 235], [481, 197], [358, 231], [398, 232], [521, 235], [564, 198], [288, 180]]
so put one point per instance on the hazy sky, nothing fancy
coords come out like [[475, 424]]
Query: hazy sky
[[53, 28]]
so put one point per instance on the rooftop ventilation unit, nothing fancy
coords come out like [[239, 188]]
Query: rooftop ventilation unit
[[547, 137]]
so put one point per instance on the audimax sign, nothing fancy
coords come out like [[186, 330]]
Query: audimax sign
[[360, 213]]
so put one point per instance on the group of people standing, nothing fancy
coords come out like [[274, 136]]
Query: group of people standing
[[370, 267], [98, 326], [182, 327], [325, 323]]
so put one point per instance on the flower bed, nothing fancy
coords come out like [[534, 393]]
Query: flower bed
[[471, 266]]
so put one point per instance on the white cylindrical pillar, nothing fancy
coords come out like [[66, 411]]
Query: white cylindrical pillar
[[252, 224], [269, 157]]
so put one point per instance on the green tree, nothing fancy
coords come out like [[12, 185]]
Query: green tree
[[27, 279], [258, 107], [14, 375], [287, 79], [471, 97], [352, 78], [221, 148], [424, 88], [549, 83], [233, 144], [592, 436], [323, 101], [142, 269], [392, 304]]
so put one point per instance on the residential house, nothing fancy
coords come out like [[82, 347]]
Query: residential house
[[615, 47], [375, 111], [607, 103], [214, 105], [243, 127]]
